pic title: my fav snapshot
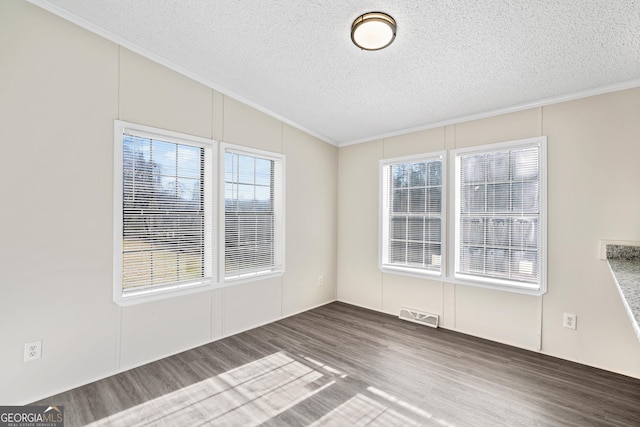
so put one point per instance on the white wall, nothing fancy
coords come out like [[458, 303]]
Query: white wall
[[593, 179], [61, 87]]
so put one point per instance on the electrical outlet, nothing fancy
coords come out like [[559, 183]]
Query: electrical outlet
[[569, 320], [320, 281], [33, 350]]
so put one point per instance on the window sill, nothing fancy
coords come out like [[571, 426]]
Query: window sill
[[498, 285], [226, 282], [412, 272], [464, 281], [160, 294]]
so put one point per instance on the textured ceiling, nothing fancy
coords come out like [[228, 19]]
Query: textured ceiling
[[451, 60]]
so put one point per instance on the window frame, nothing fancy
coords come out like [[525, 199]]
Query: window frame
[[278, 269], [384, 213], [492, 282], [208, 282]]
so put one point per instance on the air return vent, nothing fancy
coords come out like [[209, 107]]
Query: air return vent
[[419, 317]]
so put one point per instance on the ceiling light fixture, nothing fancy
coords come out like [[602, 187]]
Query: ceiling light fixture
[[373, 31]]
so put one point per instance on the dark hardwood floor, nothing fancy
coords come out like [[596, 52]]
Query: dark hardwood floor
[[340, 365]]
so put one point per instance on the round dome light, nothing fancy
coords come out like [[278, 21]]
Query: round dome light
[[373, 31]]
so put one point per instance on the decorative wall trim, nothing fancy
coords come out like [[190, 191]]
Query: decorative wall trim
[[514, 108], [44, 4]]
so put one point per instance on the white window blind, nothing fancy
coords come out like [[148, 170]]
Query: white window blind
[[253, 214], [499, 216], [411, 220], [167, 215]]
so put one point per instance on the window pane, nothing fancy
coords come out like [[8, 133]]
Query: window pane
[[416, 200], [498, 166], [498, 232], [230, 168], [498, 197], [398, 228], [263, 171], [433, 256], [473, 168], [400, 201], [264, 255], [498, 206], [473, 198], [472, 259], [164, 157], [231, 224], [246, 196], [416, 229], [415, 253], [433, 229], [398, 252], [250, 215], [188, 193], [524, 265], [434, 200], [400, 176], [163, 219], [473, 231], [418, 177], [230, 196], [434, 173], [263, 199], [189, 161], [525, 197], [525, 232], [525, 164], [497, 262], [264, 232], [414, 207], [246, 170]]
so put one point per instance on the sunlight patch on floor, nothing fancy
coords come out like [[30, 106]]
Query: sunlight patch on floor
[[409, 407], [248, 395], [252, 394], [361, 411]]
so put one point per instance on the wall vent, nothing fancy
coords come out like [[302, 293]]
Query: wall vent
[[419, 317]]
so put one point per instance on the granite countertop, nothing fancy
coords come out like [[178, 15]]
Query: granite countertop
[[624, 262]]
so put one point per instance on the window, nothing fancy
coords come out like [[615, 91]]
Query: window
[[500, 199], [412, 220], [253, 215], [163, 212]]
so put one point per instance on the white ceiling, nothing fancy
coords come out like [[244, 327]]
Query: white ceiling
[[452, 60]]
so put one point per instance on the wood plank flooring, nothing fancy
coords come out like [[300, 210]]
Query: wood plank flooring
[[340, 365]]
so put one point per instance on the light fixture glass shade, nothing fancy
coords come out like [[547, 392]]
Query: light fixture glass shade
[[373, 31]]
